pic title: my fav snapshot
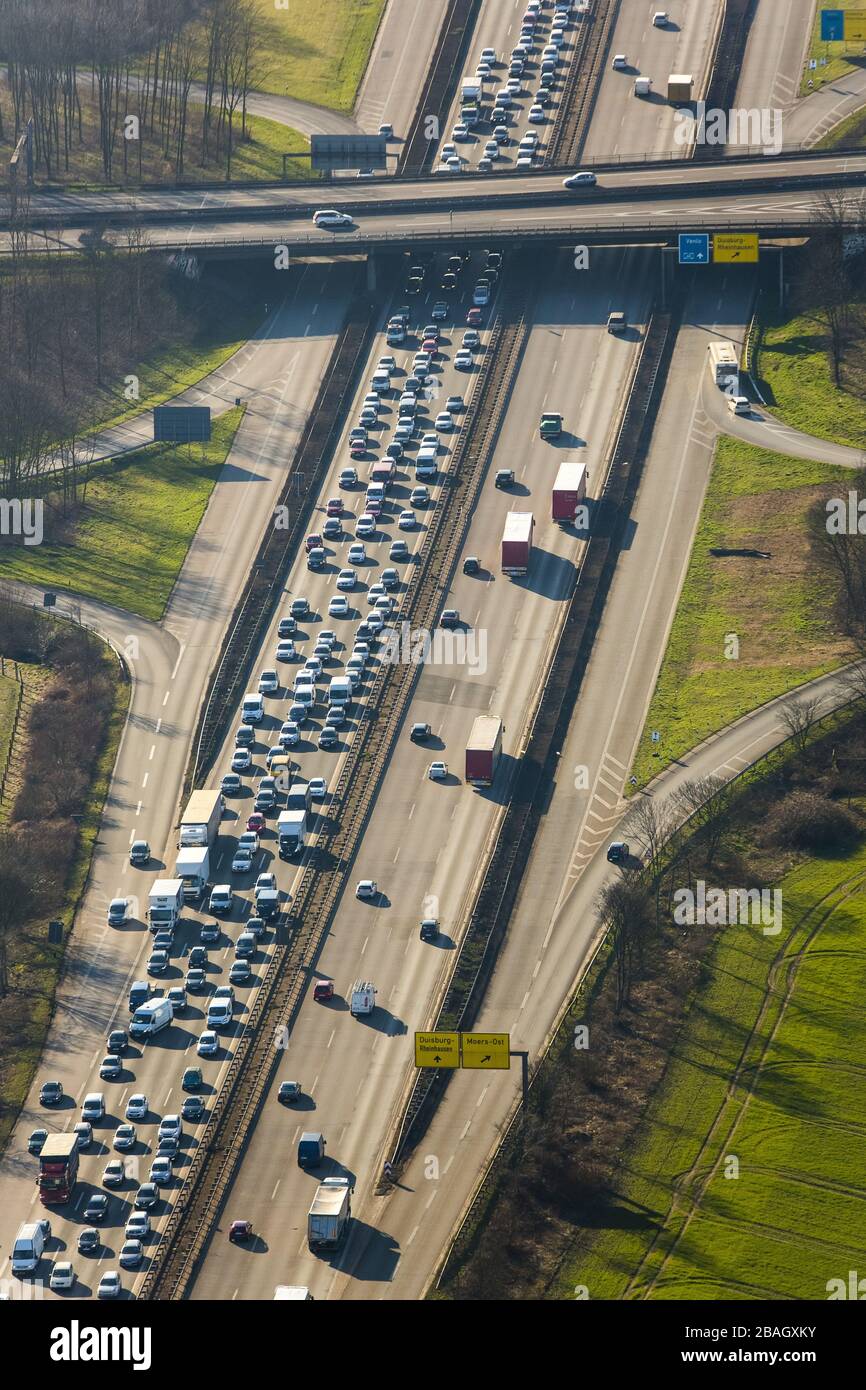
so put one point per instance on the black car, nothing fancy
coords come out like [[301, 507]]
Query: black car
[[419, 733], [50, 1093], [287, 627], [192, 1108], [97, 1207], [618, 852], [494, 260], [210, 931], [117, 1041], [449, 280], [89, 1241], [504, 477], [198, 957], [414, 285], [394, 450], [429, 929], [471, 565], [455, 264]]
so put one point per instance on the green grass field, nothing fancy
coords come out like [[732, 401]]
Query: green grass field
[[8, 705], [316, 52], [133, 533], [767, 1071], [777, 608], [839, 55], [851, 131], [793, 363]]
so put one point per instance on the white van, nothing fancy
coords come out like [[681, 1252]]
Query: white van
[[340, 692], [253, 708], [381, 382], [28, 1247]]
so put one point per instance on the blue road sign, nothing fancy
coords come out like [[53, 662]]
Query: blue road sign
[[832, 26], [694, 248]]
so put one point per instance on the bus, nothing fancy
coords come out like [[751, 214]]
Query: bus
[[723, 362]]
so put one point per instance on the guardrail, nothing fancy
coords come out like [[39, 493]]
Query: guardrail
[[438, 90], [582, 82]]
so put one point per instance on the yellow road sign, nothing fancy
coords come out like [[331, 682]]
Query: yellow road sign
[[486, 1051], [739, 247], [437, 1049], [855, 26]]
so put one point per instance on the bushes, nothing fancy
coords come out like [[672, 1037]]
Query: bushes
[[806, 820]]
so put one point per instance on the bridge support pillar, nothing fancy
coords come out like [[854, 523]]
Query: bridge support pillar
[[371, 272]]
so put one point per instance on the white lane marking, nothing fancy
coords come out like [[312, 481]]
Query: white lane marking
[[274, 1193], [177, 664], [165, 698], [144, 783], [151, 753]]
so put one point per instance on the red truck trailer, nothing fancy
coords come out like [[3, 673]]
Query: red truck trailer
[[383, 472], [58, 1168], [569, 490], [517, 542], [483, 750]]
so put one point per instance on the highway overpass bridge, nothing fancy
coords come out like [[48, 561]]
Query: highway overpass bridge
[[641, 203]]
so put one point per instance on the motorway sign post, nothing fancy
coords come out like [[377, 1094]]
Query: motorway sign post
[[843, 26], [737, 248], [437, 1050], [694, 248], [485, 1051]]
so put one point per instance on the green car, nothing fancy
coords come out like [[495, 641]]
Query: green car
[[192, 1079], [551, 425]]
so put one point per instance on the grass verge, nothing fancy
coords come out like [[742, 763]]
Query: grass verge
[[130, 537], [316, 53], [34, 965], [793, 369], [8, 705], [841, 57], [749, 1187], [778, 610], [851, 131]]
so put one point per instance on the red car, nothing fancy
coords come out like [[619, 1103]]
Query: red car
[[313, 542], [473, 318], [430, 345], [256, 822], [357, 449], [374, 506], [323, 990], [335, 506], [240, 1230]]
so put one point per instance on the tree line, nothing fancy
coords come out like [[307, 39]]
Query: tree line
[[80, 69]]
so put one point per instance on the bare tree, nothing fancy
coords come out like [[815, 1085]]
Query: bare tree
[[705, 803], [798, 718], [625, 910]]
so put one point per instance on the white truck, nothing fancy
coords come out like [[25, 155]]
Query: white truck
[[150, 1018], [165, 903], [363, 999], [330, 1214], [193, 867], [290, 832], [199, 824], [470, 91], [293, 1291]]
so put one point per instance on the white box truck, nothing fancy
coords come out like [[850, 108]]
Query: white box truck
[[293, 1291], [471, 89], [192, 866], [150, 1018], [340, 692], [199, 824], [363, 999], [165, 903], [329, 1214], [290, 832]]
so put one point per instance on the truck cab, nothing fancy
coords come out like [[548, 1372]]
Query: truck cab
[[311, 1149], [551, 425]]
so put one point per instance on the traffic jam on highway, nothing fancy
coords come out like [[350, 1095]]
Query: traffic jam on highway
[[208, 923]]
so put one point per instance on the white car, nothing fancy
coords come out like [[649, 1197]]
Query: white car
[[313, 664], [460, 131], [109, 1285], [480, 295], [488, 55], [138, 1226], [242, 861], [346, 579], [318, 788], [406, 521], [131, 1254], [660, 19], [524, 159], [536, 114], [483, 70], [514, 86], [136, 1107], [285, 650], [289, 734], [620, 61], [241, 759], [444, 421], [463, 359], [366, 525], [338, 607], [62, 1276], [269, 683], [357, 554], [437, 772], [264, 882], [448, 150], [388, 363], [454, 165], [207, 1044], [171, 1126], [367, 888]]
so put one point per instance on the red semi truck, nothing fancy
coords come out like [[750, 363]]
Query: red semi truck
[[483, 750], [517, 542], [58, 1168], [569, 490]]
